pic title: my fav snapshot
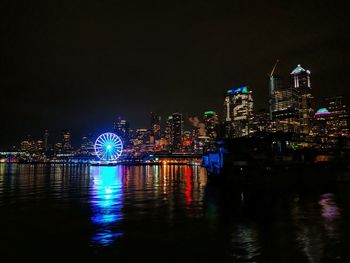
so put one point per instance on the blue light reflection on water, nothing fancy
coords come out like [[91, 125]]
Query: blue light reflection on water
[[106, 202]]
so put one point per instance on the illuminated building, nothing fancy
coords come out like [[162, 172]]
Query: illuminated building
[[300, 82], [211, 122], [322, 123], [46, 140], [121, 128], [177, 131], [187, 141], [58, 147], [142, 136], [285, 110], [275, 83], [169, 130], [261, 121], [67, 141], [26, 146], [339, 116], [155, 126], [39, 145], [87, 145], [291, 107], [238, 107]]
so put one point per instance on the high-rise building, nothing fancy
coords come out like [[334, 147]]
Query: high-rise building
[[275, 83], [261, 121], [211, 121], [285, 114], [169, 130], [121, 128], [339, 116], [300, 82], [228, 115], [87, 145], [46, 140], [177, 131], [322, 124], [155, 125], [289, 105], [238, 107], [67, 140]]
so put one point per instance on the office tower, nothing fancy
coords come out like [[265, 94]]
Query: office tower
[[228, 106], [187, 141], [283, 105], [155, 125], [169, 130], [87, 144], [238, 107], [46, 140], [275, 83], [339, 115], [211, 122], [40, 145], [300, 82], [143, 136], [261, 121], [177, 131], [66, 140], [25, 146], [322, 124], [121, 128]]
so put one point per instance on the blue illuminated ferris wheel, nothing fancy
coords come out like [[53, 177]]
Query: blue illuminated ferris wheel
[[108, 147]]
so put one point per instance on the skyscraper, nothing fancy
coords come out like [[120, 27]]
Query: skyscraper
[[67, 140], [300, 82], [211, 122], [238, 107], [285, 116], [46, 140], [169, 130], [339, 115], [155, 125], [283, 105], [177, 131], [87, 145], [121, 128]]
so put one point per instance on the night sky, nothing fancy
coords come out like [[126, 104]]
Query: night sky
[[78, 64]]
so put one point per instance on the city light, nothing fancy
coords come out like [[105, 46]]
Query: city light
[[243, 89]]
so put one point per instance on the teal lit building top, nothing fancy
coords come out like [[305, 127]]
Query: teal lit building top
[[243, 89], [209, 113], [322, 111]]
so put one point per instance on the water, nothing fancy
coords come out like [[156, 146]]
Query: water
[[165, 214]]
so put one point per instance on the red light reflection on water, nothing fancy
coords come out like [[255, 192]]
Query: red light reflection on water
[[188, 182]]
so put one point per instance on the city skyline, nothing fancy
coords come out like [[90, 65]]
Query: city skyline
[[222, 115], [79, 66]]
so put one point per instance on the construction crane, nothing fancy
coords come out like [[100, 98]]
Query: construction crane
[[274, 68], [272, 86]]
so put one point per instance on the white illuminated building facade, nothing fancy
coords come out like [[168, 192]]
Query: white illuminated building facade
[[238, 108]]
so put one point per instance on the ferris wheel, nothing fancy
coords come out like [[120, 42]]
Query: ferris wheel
[[108, 147]]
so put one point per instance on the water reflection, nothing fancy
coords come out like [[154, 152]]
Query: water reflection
[[317, 227], [245, 243], [330, 213], [106, 202]]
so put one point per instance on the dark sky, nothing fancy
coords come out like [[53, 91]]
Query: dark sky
[[78, 64]]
